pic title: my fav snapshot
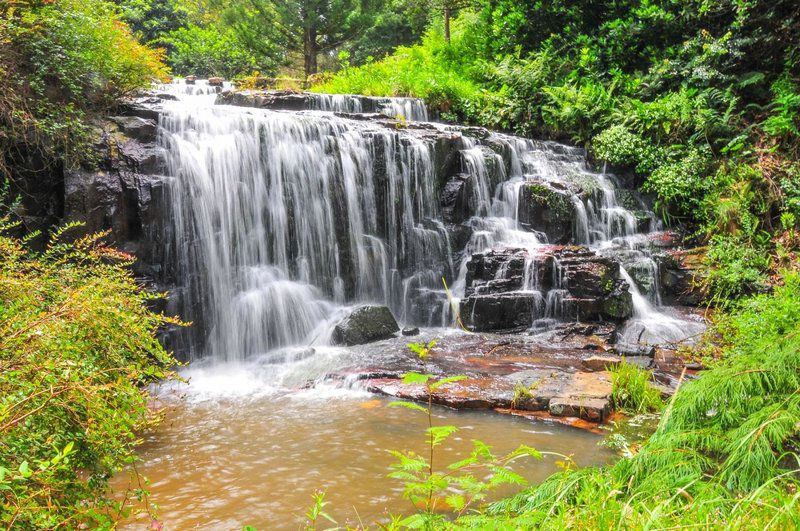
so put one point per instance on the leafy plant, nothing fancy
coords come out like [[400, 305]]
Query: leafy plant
[[459, 486], [632, 390], [78, 348]]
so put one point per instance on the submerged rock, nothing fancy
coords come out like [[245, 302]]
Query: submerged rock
[[364, 325]]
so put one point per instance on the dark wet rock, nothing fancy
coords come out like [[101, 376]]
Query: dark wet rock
[[681, 276], [190, 80], [635, 349], [143, 129], [643, 362], [593, 409], [166, 96], [499, 296], [140, 107], [502, 312], [123, 193], [455, 199], [410, 331], [546, 209], [598, 333], [364, 325]]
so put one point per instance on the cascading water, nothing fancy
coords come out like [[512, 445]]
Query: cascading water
[[284, 218], [278, 220]]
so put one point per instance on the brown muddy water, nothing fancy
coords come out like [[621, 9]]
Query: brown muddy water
[[255, 456]]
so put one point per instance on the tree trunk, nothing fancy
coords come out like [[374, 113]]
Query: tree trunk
[[447, 24], [310, 51]]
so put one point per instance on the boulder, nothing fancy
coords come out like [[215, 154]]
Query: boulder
[[215, 81], [507, 288], [543, 208], [507, 311], [680, 276], [410, 331], [143, 129], [190, 80], [455, 199], [285, 100], [364, 325]]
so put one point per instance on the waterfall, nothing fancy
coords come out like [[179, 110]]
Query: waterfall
[[278, 220], [281, 220]]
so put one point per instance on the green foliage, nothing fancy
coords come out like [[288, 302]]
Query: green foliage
[[735, 268], [77, 350], [632, 390], [208, 52], [62, 61], [152, 20], [458, 486], [784, 119], [432, 70]]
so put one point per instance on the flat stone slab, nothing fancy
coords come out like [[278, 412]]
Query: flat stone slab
[[559, 375], [601, 363], [592, 409]]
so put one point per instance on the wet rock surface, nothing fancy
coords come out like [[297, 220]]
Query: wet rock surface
[[364, 325], [561, 374], [547, 209], [542, 373], [508, 288]]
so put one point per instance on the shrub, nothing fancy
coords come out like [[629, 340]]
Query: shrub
[[735, 268], [680, 185], [77, 350], [62, 60]]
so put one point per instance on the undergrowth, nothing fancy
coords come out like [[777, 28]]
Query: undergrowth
[[632, 390], [77, 351]]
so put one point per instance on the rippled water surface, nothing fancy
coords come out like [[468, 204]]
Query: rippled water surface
[[255, 458]]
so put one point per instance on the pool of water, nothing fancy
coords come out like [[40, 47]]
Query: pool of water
[[255, 456]]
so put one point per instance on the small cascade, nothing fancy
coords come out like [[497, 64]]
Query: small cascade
[[411, 109], [283, 219]]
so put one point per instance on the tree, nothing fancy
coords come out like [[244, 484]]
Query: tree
[[312, 26], [152, 20]]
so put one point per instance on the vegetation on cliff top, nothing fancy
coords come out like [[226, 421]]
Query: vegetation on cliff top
[[62, 61], [77, 350]]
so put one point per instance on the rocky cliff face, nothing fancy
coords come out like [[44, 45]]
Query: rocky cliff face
[[504, 289]]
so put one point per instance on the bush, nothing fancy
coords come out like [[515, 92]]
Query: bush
[[735, 268], [62, 61], [77, 350]]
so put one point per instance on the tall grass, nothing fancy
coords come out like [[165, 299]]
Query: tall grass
[[725, 456], [632, 390]]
